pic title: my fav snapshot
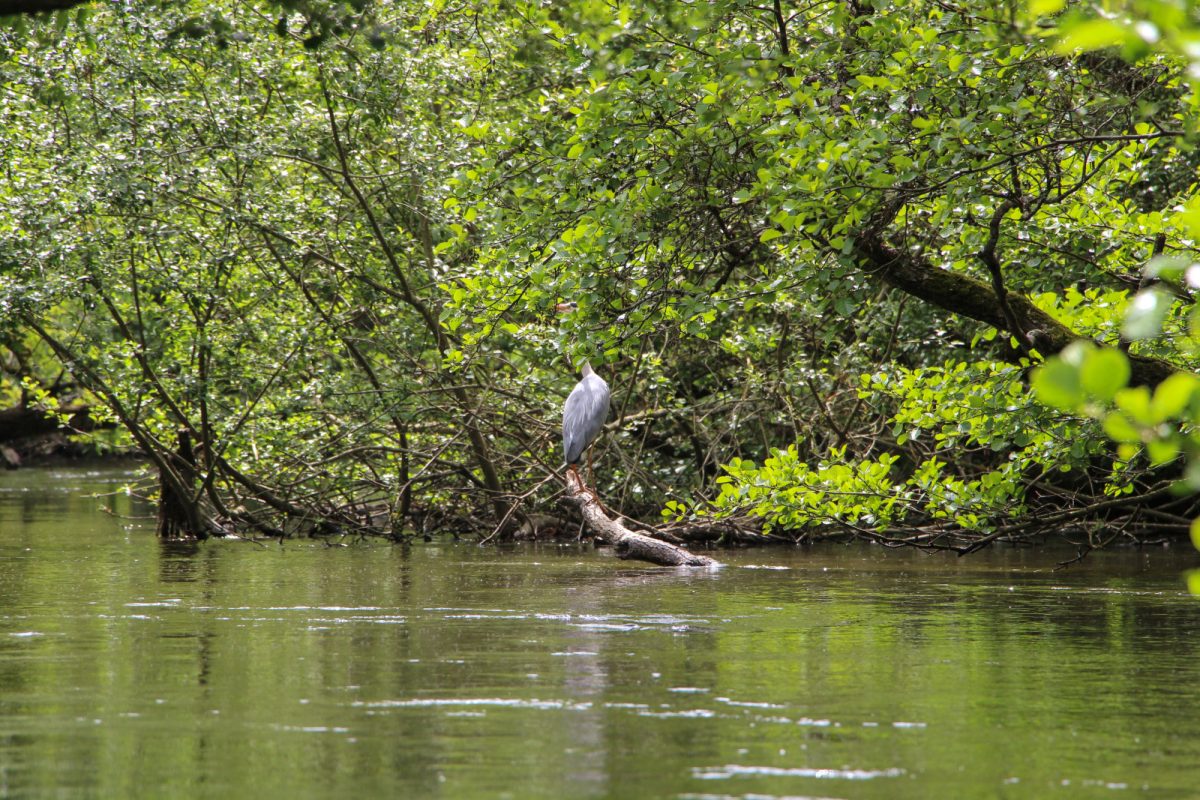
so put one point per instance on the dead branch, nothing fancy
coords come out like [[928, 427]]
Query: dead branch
[[627, 543]]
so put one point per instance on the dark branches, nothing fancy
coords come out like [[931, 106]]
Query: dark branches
[[988, 256], [36, 6]]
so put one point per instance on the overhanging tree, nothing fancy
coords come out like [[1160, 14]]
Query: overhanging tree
[[817, 247], [747, 178]]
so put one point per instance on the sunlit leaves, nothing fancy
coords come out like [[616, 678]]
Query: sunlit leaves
[[790, 493], [1093, 34], [941, 413], [703, 195], [220, 272], [1089, 380], [1146, 314], [1174, 395], [1039, 8], [1103, 373], [1058, 384]]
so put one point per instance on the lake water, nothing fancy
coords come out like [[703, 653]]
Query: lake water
[[130, 668]]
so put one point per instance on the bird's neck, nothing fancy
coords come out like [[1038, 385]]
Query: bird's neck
[[586, 369]]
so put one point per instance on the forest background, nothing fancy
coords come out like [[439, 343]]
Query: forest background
[[303, 256]]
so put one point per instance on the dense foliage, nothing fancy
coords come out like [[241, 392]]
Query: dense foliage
[[305, 255]]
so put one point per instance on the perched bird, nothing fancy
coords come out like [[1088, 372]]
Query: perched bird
[[585, 411]]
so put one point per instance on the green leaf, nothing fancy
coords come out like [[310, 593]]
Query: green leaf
[[1094, 34], [1044, 8], [576, 150], [1194, 574], [1120, 429], [1189, 218], [1104, 372], [1146, 314], [1173, 395], [1057, 384], [1162, 450], [1077, 352], [1167, 267], [1135, 401], [769, 234]]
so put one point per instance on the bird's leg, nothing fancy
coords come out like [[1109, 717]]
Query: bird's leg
[[595, 495], [586, 488], [572, 468]]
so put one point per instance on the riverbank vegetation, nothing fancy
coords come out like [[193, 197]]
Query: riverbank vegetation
[[304, 256]]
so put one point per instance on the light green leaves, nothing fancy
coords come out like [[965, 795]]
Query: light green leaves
[[1103, 372], [1058, 384], [1094, 34], [769, 234], [1175, 394], [1092, 381], [1038, 8], [1146, 314], [1082, 373]]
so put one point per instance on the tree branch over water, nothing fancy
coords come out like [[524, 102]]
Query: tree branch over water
[[37, 6]]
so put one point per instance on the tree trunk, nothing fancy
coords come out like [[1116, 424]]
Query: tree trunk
[[179, 515], [961, 294]]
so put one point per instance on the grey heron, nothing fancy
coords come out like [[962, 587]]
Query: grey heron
[[585, 411]]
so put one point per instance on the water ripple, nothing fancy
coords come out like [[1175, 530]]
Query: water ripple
[[746, 703], [734, 770], [451, 702]]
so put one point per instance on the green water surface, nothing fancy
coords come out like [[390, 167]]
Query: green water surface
[[129, 668]]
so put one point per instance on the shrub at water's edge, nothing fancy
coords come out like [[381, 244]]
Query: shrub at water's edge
[[305, 261]]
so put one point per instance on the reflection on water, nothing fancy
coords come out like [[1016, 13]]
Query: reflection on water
[[230, 669]]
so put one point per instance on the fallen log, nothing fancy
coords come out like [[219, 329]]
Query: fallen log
[[28, 434], [627, 543], [20, 422]]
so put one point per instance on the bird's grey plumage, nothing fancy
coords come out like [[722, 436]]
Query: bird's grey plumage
[[584, 414]]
